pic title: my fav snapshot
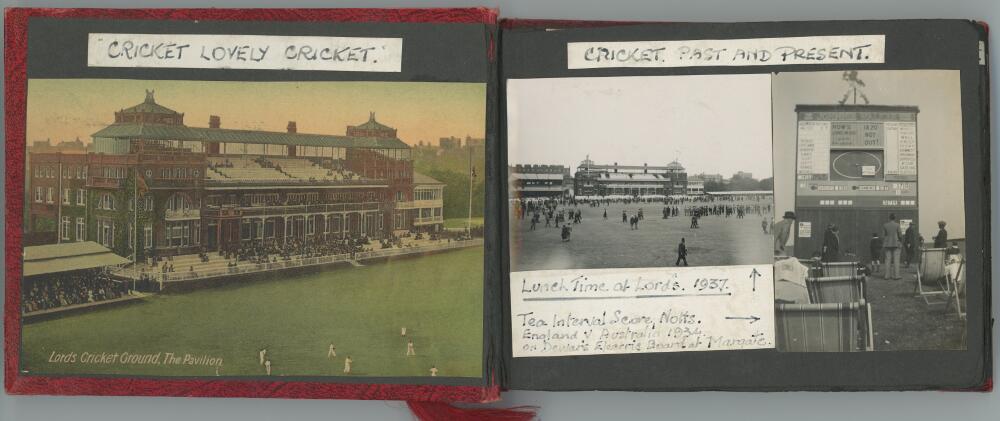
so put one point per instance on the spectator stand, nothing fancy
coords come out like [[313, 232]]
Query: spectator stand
[[71, 276]]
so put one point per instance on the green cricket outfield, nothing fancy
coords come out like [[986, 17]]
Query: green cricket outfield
[[360, 310]]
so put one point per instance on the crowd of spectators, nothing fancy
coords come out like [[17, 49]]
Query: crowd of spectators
[[66, 289], [271, 251]]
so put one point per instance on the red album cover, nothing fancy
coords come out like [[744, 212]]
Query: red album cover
[[281, 203]]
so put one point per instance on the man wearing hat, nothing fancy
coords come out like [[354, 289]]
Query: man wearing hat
[[781, 231], [892, 240]]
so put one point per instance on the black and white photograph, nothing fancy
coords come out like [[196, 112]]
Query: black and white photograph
[[869, 195], [631, 172]]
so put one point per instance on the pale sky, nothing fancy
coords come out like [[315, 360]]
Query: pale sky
[[64, 109], [940, 186], [710, 123]]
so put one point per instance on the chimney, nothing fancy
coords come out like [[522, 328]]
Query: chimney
[[214, 122], [292, 128]]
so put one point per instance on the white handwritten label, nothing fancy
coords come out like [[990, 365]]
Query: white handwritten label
[[840, 49], [627, 311], [259, 52]]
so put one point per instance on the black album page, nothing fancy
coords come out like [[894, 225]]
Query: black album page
[[745, 206]]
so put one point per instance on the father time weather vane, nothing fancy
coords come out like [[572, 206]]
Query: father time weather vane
[[851, 77]]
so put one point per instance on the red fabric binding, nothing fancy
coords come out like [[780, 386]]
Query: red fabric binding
[[436, 411]]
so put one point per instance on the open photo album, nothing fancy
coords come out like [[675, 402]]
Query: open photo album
[[438, 205]]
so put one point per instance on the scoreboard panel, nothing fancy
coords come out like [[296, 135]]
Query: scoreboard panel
[[855, 164]]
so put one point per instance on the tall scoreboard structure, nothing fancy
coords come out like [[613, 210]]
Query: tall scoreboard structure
[[855, 165]]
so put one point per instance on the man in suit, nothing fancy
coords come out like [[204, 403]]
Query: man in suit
[[910, 243], [781, 231], [892, 240], [831, 244]]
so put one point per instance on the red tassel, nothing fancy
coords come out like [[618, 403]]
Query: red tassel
[[440, 411]]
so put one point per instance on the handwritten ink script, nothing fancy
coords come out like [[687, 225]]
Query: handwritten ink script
[[846, 49], [261, 52], [625, 311]]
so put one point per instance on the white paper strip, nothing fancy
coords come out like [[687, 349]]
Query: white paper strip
[[841, 49], [626, 311], [261, 52]]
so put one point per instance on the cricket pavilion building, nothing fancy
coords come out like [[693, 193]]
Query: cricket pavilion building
[[599, 181], [152, 183]]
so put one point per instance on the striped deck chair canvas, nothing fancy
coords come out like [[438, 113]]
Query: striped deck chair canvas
[[836, 289], [826, 327], [956, 281], [840, 268], [932, 278]]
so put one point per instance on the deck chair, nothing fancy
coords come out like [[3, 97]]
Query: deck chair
[[932, 278], [825, 327], [956, 288], [840, 269], [836, 289]]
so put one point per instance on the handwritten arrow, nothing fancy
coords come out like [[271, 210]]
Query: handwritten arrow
[[754, 275], [752, 319]]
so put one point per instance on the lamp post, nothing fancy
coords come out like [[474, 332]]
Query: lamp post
[[472, 177]]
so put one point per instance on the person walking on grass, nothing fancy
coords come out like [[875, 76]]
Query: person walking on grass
[[409, 349], [347, 364], [682, 253], [332, 352]]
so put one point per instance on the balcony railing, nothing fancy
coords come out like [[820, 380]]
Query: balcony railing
[[104, 182]]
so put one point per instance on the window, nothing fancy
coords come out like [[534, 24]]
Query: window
[[178, 234], [147, 235], [269, 228], [107, 202], [399, 196], [106, 233], [48, 195], [147, 202], [245, 229], [64, 228], [178, 202], [66, 197], [310, 224], [38, 194], [399, 220], [81, 230], [334, 225], [81, 197]]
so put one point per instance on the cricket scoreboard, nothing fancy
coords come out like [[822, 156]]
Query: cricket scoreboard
[[855, 165]]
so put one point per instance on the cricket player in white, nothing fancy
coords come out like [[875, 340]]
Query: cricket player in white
[[402, 331], [347, 364], [434, 371], [262, 353], [409, 348], [267, 366], [332, 353]]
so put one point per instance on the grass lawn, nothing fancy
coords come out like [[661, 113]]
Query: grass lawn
[[462, 222], [438, 298], [608, 243]]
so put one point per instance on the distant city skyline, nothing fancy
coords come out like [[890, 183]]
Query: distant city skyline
[[66, 109]]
